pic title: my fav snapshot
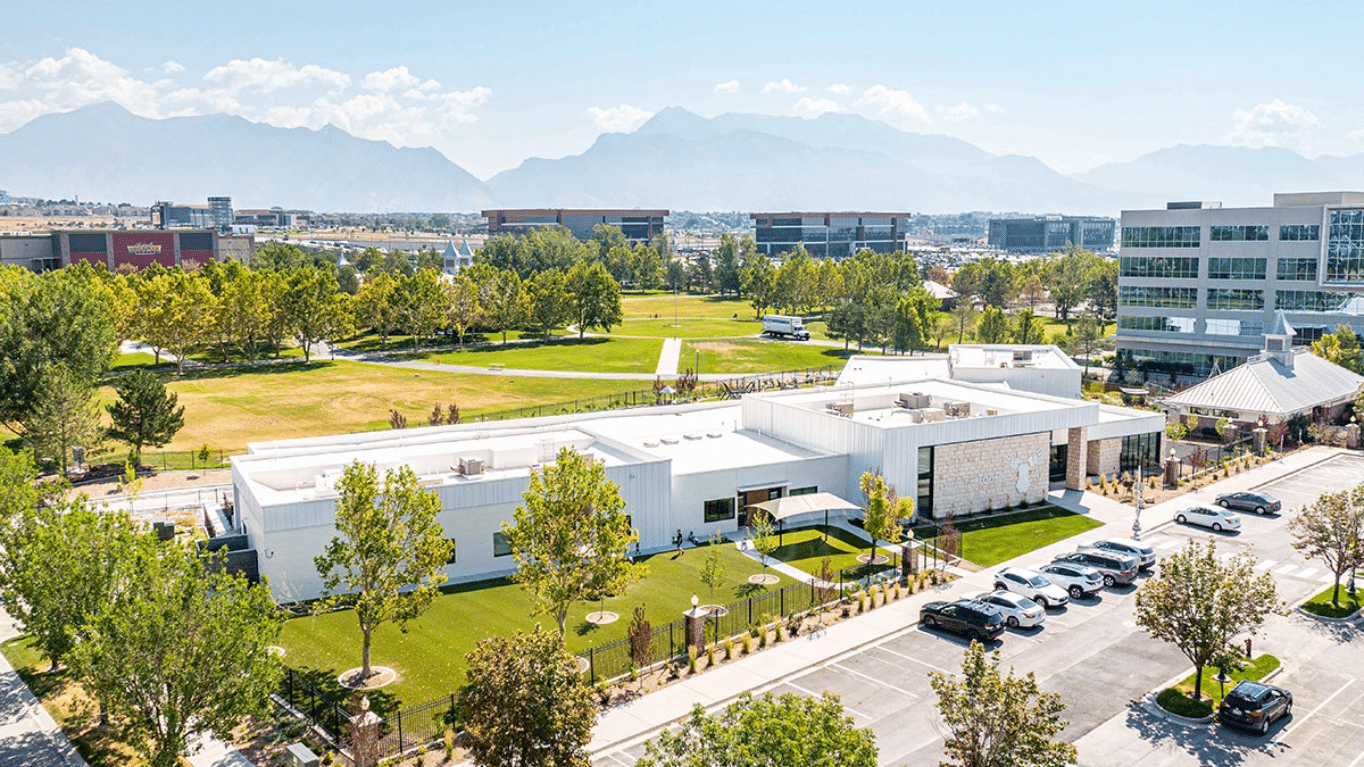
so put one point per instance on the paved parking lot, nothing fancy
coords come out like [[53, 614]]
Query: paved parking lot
[[1093, 654]]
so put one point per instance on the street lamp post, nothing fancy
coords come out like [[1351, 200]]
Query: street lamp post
[[1141, 504]]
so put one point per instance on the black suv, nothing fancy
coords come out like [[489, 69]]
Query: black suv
[[976, 620], [1115, 568], [1254, 706]]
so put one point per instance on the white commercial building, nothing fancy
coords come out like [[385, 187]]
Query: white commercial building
[[958, 447]]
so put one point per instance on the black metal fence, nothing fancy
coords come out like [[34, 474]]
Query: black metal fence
[[325, 713]]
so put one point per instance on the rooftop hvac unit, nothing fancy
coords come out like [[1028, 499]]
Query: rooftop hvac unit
[[471, 467], [933, 415], [844, 409], [957, 409], [913, 400], [1023, 356]]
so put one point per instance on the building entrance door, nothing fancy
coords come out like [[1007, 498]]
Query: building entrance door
[[750, 497]]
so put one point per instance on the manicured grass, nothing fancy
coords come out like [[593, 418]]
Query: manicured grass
[[992, 540], [400, 343], [806, 548], [429, 658], [688, 327], [750, 355], [1178, 700], [141, 360], [711, 307], [597, 355], [1321, 603], [228, 408]]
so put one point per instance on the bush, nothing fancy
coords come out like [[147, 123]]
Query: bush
[[729, 648], [793, 624], [691, 659], [748, 643], [762, 638], [449, 743], [1175, 702], [710, 656]]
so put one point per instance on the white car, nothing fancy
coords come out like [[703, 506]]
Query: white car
[[1031, 584], [1145, 555], [1078, 580], [1208, 516], [1017, 610]]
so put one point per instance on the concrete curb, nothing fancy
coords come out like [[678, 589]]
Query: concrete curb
[[1148, 702], [1346, 621]]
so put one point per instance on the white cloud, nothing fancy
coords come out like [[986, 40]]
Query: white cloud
[[621, 119], [267, 76], [1355, 135], [1274, 124], [808, 107], [727, 87], [957, 112], [390, 80], [839, 88], [898, 107], [785, 86], [10, 77], [172, 67], [997, 109]]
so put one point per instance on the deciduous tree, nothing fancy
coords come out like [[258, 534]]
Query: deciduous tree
[[595, 298], [762, 533], [388, 558], [423, 303], [64, 416], [713, 566], [883, 511], [1342, 348], [1332, 530], [379, 306], [462, 309], [178, 310], [146, 413]]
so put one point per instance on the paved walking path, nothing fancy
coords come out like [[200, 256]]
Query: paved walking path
[[667, 359], [29, 737]]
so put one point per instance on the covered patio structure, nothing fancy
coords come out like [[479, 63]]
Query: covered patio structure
[[781, 509]]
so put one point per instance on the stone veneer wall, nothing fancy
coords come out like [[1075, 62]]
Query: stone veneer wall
[[1105, 457], [971, 477]]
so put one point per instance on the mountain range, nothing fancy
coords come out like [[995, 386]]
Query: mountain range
[[677, 160]]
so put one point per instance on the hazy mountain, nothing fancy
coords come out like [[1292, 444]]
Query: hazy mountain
[[757, 162], [103, 152], [1235, 176]]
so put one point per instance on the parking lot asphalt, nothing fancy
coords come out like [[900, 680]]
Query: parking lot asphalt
[[1103, 666]]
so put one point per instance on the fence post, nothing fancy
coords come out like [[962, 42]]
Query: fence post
[[781, 601], [672, 648], [399, 714], [592, 664]]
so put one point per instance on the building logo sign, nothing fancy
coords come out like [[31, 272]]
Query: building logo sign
[[1024, 468], [145, 249]]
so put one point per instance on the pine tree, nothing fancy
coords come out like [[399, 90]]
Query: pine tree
[[146, 413]]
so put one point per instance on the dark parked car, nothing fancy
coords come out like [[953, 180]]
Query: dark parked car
[[1260, 503], [976, 620], [1255, 706], [1115, 568]]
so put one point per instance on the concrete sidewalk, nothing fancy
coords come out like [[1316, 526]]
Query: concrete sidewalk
[[29, 737], [667, 358]]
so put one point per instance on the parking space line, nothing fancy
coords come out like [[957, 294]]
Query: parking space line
[[1308, 572], [1293, 727], [814, 694], [871, 678], [1264, 564], [1357, 759], [1285, 570], [916, 660]]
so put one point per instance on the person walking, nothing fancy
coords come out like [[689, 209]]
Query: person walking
[[678, 539]]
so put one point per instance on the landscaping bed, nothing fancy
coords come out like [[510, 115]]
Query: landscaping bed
[[1321, 603], [1177, 700]]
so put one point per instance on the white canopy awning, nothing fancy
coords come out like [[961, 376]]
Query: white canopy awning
[[793, 505]]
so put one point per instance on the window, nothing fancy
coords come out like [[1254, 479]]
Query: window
[[1139, 451], [1345, 247], [1161, 236], [805, 490], [1235, 328], [719, 509], [924, 502], [453, 548], [1175, 298], [501, 548], [1236, 268], [1159, 324], [1235, 298], [1298, 269], [1300, 232], [1181, 267], [1319, 301], [1239, 234]]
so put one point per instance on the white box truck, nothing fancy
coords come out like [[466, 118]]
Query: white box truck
[[780, 326]]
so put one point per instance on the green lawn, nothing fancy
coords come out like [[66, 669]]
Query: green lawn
[[989, 541], [1321, 603], [749, 355], [429, 658], [806, 548], [688, 327], [598, 355], [712, 307], [1178, 699]]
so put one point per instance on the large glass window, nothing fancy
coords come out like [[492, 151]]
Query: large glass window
[[924, 504], [719, 509], [1235, 328], [501, 547], [811, 490], [1319, 301], [1235, 298], [1236, 268], [1183, 267], [1297, 269], [1345, 247], [1139, 451], [1159, 324], [1161, 236], [1239, 234], [1160, 297], [1300, 232]]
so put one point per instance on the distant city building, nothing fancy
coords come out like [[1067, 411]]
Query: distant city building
[[1199, 283], [273, 217], [1049, 234], [221, 208], [637, 225], [122, 248], [217, 214], [455, 259], [830, 234], [4, 197]]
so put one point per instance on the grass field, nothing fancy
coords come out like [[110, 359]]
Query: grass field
[[688, 327], [703, 307], [750, 355], [227, 408], [806, 549], [597, 355], [1321, 603], [429, 658], [988, 542]]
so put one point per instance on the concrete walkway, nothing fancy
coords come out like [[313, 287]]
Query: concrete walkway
[[667, 359], [29, 737]]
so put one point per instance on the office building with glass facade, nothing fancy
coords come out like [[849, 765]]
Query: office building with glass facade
[[1199, 283], [1050, 234], [636, 225], [829, 235]]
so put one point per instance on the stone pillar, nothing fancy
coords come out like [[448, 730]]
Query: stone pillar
[[1259, 432], [1352, 436], [696, 627], [1171, 471], [1077, 444]]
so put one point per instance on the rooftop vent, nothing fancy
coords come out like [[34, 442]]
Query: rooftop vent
[[844, 409], [913, 400], [471, 467], [715, 435], [691, 436], [668, 440]]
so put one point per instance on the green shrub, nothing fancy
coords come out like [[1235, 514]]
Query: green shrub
[[1175, 702], [691, 659], [729, 648], [710, 656], [748, 643]]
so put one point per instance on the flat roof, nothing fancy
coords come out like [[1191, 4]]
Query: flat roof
[[838, 213], [703, 439], [1010, 356]]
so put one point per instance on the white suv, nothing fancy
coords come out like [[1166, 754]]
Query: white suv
[[1032, 585], [1078, 580]]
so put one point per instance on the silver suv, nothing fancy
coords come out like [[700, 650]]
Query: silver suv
[[1115, 568], [1145, 555]]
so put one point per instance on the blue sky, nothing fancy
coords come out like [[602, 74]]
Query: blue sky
[[489, 84]]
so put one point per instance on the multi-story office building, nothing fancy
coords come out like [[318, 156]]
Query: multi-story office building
[[217, 214], [1049, 234], [221, 210], [830, 234], [1198, 283], [636, 225]]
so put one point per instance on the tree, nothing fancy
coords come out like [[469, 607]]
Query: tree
[[725, 272], [713, 567], [1087, 336], [571, 536], [1342, 348], [178, 311], [1199, 603], [963, 317], [595, 297], [422, 304], [65, 416], [311, 308], [763, 535], [462, 308], [1332, 530], [1032, 290], [992, 328], [760, 732], [1068, 279], [757, 279], [378, 306], [526, 704], [145, 413], [183, 650], [1026, 328], [390, 554], [997, 719], [884, 510], [504, 300], [551, 303], [246, 307], [1101, 286]]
